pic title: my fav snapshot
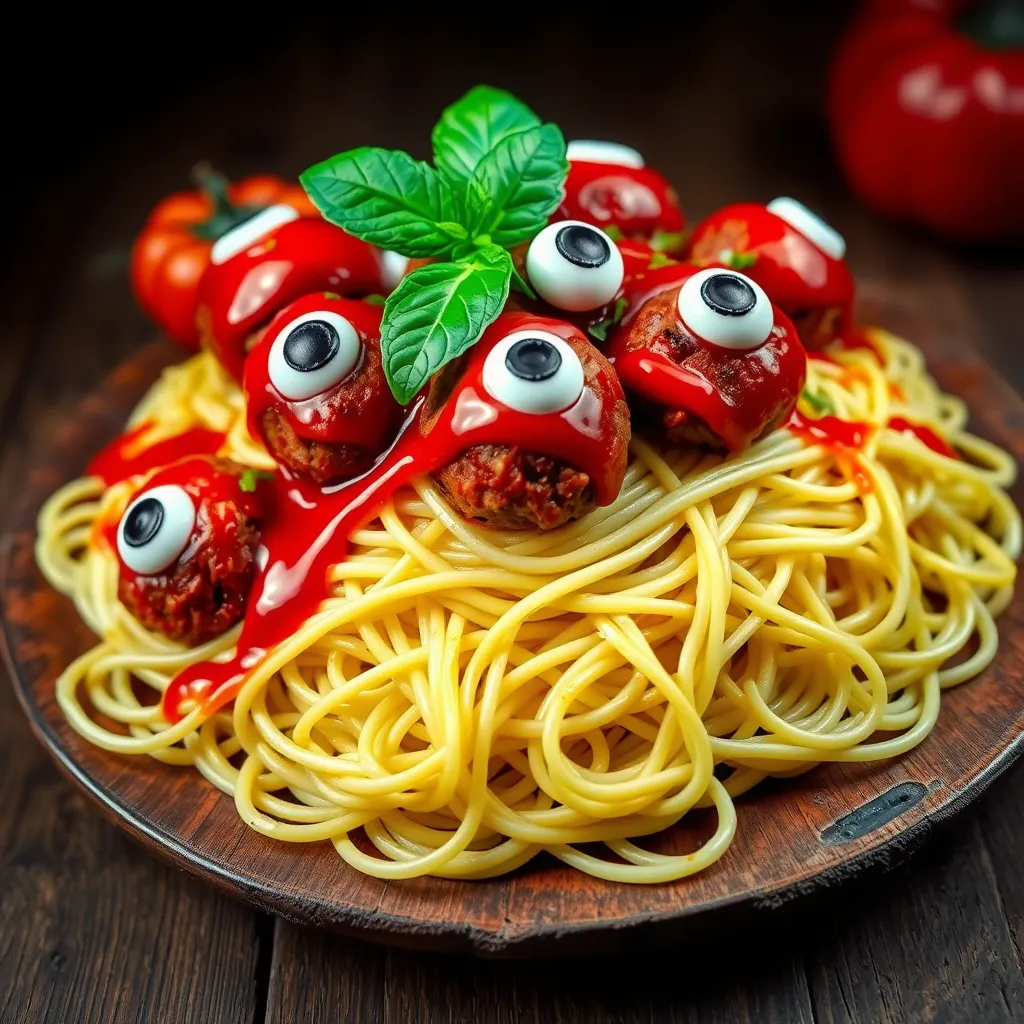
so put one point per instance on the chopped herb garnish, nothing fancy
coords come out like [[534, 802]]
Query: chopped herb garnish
[[613, 231], [658, 260], [668, 241], [742, 260], [819, 403], [251, 477], [599, 331], [374, 299]]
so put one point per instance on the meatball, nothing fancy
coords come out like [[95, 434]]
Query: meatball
[[187, 548], [795, 256], [715, 364], [507, 487], [538, 390], [316, 391], [609, 185], [267, 262]]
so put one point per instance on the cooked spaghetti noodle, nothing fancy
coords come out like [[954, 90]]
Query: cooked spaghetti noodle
[[468, 697]]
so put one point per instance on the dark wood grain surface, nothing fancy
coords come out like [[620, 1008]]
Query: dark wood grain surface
[[91, 928]]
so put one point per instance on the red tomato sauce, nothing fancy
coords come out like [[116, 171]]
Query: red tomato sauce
[[926, 435], [842, 438], [126, 457], [306, 529]]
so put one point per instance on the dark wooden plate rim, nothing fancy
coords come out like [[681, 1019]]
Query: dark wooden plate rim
[[999, 414]]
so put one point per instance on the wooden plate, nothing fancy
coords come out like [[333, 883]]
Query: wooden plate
[[794, 837]]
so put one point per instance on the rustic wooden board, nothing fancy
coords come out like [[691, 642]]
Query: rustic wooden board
[[794, 837]]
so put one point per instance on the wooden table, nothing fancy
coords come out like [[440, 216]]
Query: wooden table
[[93, 929]]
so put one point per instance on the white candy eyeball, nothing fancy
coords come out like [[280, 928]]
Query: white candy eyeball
[[726, 308], [534, 372], [574, 266], [155, 529], [394, 267], [593, 152], [250, 231], [808, 223], [312, 354]]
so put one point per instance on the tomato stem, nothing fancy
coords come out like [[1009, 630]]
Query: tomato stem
[[224, 215], [995, 24]]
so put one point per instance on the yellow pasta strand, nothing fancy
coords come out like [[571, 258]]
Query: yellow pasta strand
[[466, 697]]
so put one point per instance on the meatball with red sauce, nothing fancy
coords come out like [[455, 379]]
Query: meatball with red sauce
[[536, 424], [797, 258], [259, 267], [187, 550], [316, 391], [610, 185], [718, 365]]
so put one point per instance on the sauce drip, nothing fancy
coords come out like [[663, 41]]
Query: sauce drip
[[842, 438], [307, 528], [925, 435], [126, 457]]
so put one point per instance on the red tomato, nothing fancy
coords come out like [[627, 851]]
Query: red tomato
[[173, 249], [926, 104]]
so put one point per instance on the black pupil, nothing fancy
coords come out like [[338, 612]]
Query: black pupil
[[533, 359], [143, 522], [728, 294], [311, 345], [583, 246]]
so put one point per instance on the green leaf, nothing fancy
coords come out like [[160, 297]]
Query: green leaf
[[599, 331], [523, 177], [658, 260], [387, 198], [819, 403], [248, 480], [438, 312], [742, 260], [474, 125]]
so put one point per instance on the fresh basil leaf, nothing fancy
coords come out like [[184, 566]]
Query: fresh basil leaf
[[386, 197], [523, 176], [474, 125], [599, 331], [438, 312]]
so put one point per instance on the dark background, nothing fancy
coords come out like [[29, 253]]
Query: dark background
[[102, 117]]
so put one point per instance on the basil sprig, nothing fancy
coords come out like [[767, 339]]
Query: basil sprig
[[498, 175]]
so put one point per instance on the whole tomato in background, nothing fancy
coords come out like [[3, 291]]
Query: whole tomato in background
[[173, 249], [926, 106]]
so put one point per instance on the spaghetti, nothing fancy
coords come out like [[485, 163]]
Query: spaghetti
[[466, 697]]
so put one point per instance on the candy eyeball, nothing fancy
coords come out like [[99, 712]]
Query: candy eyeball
[[394, 266], [314, 353], [726, 308], [594, 152], [250, 231], [808, 223], [155, 529], [533, 372], [574, 266]]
